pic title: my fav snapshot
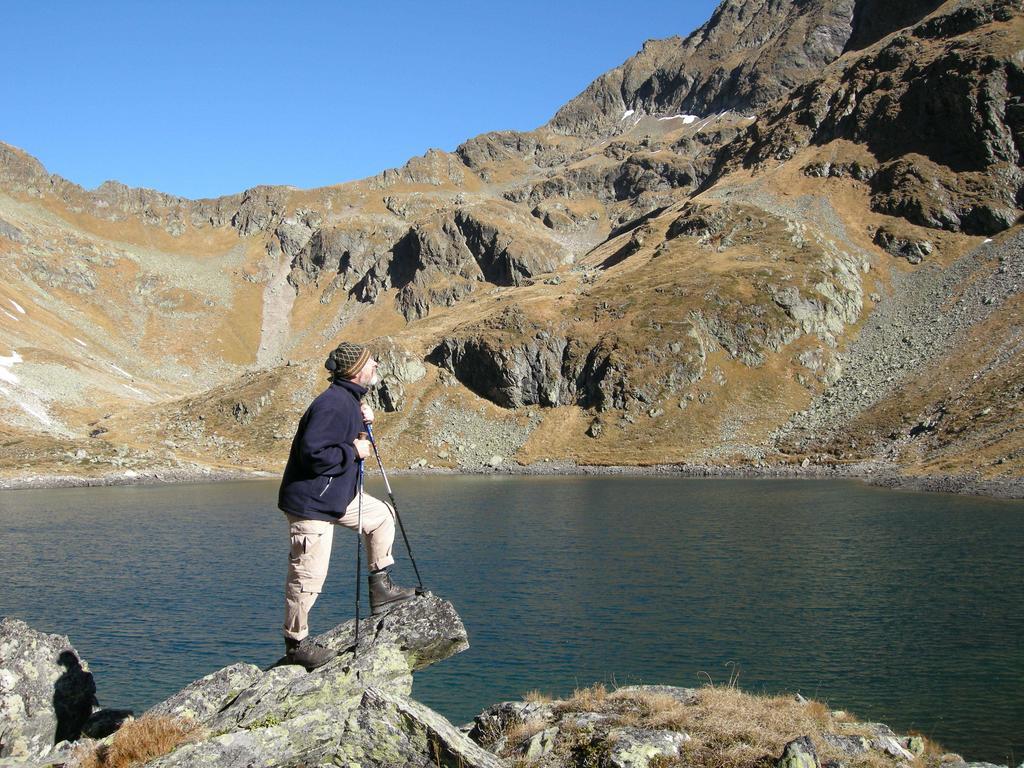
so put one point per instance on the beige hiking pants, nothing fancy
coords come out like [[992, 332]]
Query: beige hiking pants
[[310, 556]]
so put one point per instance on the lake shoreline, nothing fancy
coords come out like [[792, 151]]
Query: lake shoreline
[[873, 474]]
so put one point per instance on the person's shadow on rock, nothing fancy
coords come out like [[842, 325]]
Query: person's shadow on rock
[[74, 696]]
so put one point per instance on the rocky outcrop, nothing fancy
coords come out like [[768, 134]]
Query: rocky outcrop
[[913, 249], [355, 710], [398, 369], [47, 693], [344, 252], [442, 258], [514, 362], [938, 109], [436, 168], [747, 55], [490, 151]]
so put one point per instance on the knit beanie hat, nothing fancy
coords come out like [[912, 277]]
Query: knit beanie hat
[[346, 360]]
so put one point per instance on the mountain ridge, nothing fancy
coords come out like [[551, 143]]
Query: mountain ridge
[[642, 289]]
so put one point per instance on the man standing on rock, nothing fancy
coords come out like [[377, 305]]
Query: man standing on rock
[[320, 490]]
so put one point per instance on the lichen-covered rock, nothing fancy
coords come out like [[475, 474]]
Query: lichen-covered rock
[[47, 692], [637, 747], [494, 721], [428, 739], [540, 743], [306, 739], [426, 630], [914, 745], [850, 745], [354, 710], [287, 692], [201, 700], [891, 746], [799, 753]]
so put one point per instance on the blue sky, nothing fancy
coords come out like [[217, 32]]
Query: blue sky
[[206, 99]]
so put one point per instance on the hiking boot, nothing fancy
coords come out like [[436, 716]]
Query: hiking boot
[[306, 653], [384, 594]]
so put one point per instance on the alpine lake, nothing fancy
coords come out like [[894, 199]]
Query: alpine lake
[[904, 608]]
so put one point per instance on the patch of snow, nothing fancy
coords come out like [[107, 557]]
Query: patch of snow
[[626, 114], [5, 365], [80, 341], [11, 316], [687, 119], [122, 371], [988, 239], [17, 306], [752, 118], [36, 411], [32, 406]]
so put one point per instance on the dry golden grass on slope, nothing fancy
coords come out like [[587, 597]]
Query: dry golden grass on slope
[[137, 742], [727, 727]]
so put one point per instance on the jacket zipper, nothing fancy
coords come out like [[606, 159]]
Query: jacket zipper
[[329, 480]]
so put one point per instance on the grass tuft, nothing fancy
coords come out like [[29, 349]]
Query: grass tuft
[[137, 742], [536, 697]]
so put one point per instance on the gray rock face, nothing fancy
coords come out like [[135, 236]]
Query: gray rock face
[[259, 209], [345, 253], [513, 362], [355, 710], [203, 699], [426, 630], [937, 108], [913, 250], [11, 232], [46, 692], [799, 753], [445, 256], [435, 168], [637, 747], [850, 745], [770, 49], [495, 720], [398, 369]]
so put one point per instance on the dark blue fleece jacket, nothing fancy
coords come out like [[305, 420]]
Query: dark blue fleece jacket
[[322, 472]]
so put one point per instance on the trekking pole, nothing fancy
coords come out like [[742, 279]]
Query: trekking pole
[[359, 552], [394, 504]]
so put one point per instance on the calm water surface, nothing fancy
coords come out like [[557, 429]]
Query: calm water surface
[[903, 608]]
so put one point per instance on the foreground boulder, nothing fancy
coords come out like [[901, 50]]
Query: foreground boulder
[[47, 693], [355, 710]]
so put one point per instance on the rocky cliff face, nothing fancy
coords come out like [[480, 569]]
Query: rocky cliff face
[[671, 270], [942, 121], [747, 55]]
